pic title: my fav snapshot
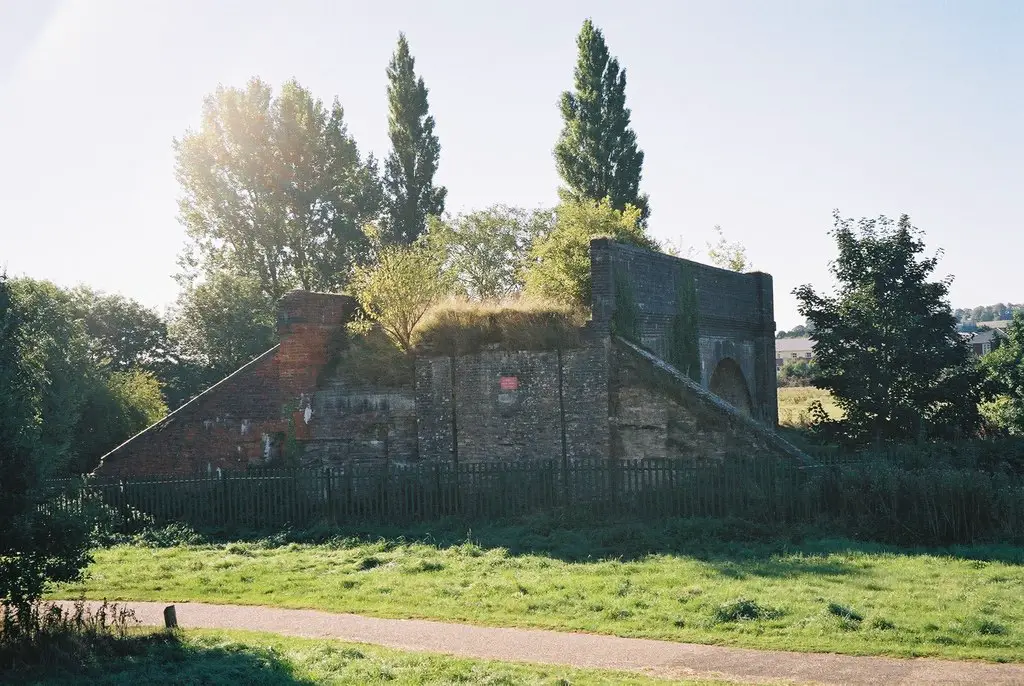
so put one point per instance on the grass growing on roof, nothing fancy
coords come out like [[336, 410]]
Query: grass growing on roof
[[457, 326], [677, 581]]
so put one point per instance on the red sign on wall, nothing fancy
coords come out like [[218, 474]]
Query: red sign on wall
[[509, 383]]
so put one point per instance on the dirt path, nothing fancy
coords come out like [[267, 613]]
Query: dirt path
[[656, 658]]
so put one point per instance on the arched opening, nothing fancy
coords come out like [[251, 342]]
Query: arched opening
[[728, 383]]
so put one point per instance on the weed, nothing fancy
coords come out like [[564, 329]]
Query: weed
[[882, 624], [844, 612], [368, 563], [989, 628], [743, 609]]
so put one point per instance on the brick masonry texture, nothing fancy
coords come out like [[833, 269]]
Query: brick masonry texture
[[603, 399]]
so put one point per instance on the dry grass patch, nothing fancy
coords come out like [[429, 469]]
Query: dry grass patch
[[795, 405], [458, 327]]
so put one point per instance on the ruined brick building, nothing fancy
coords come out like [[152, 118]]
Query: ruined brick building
[[613, 396]]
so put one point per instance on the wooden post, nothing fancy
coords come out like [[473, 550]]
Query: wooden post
[[170, 619]]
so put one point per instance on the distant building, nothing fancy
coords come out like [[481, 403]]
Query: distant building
[[787, 349], [984, 342]]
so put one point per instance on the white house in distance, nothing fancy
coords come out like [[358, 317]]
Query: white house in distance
[[792, 349]]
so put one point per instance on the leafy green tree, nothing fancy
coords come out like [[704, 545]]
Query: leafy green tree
[[559, 266], [798, 331], [486, 250], [69, 375], [117, 409], [218, 326], [123, 333], [1004, 376], [274, 189], [886, 344], [410, 195], [38, 545], [596, 154], [797, 373], [400, 286], [731, 256]]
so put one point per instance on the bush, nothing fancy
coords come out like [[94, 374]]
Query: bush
[[458, 327]]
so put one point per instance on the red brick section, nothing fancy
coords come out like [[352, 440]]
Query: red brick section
[[228, 426]]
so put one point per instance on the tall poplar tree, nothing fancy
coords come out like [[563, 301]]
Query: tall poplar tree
[[596, 153], [410, 195]]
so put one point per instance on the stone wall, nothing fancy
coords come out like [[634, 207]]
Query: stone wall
[[506, 406], [657, 413], [735, 316]]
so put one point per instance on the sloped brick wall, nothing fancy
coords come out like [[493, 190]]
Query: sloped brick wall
[[244, 419]]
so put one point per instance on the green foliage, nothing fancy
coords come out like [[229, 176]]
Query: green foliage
[[596, 154], [886, 344], [799, 331], [486, 250], [1004, 377], [400, 287], [799, 372], [459, 327], [626, 317], [731, 256], [684, 345], [219, 324], [123, 333], [39, 544], [274, 190], [410, 195], [559, 266], [126, 403]]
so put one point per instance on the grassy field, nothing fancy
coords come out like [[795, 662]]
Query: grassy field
[[816, 596], [237, 657], [795, 403]]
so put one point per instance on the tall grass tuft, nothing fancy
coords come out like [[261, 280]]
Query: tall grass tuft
[[47, 634]]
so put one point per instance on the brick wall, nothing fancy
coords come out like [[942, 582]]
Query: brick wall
[[243, 419]]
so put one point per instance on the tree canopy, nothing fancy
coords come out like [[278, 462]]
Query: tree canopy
[[596, 153], [38, 545], [559, 264], [274, 189], [486, 250], [410, 195], [886, 343]]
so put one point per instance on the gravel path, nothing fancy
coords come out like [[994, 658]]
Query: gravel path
[[655, 658]]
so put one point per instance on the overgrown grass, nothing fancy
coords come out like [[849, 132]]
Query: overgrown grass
[[243, 657], [663, 581], [458, 327], [795, 403]]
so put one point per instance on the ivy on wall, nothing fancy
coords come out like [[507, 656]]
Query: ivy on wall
[[626, 317], [683, 348]]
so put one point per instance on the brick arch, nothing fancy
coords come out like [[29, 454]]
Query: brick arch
[[729, 384]]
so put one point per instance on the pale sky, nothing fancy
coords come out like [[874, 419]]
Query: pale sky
[[758, 116]]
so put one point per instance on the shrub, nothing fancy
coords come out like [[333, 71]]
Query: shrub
[[457, 327]]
